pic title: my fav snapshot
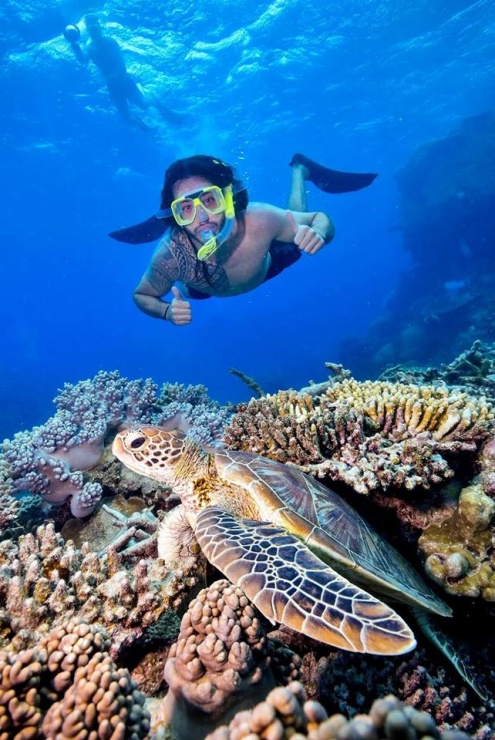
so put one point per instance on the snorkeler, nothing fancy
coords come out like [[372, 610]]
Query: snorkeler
[[215, 244], [106, 54]]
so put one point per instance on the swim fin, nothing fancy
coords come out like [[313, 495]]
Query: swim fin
[[146, 231], [333, 181]]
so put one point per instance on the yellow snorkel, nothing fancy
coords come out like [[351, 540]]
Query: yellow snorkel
[[213, 241]]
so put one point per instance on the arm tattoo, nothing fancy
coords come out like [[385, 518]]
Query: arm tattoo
[[163, 271]]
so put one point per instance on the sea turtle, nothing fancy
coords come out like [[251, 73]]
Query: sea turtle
[[289, 542]]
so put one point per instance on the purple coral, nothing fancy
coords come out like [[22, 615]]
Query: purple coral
[[49, 459]]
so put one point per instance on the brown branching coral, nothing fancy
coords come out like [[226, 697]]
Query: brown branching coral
[[67, 686], [222, 658], [44, 581], [287, 713], [371, 435]]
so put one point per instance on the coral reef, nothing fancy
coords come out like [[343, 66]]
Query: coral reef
[[44, 581], [397, 441], [221, 662], [67, 685], [286, 712], [458, 551], [473, 371], [51, 460], [370, 435]]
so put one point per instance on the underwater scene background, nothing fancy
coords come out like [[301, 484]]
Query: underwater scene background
[[357, 87], [387, 333]]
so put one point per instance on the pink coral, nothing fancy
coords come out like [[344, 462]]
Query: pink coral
[[68, 686], [286, 713]]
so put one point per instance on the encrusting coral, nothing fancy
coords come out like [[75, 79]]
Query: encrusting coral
[[44, 581], [222, 661], [458, 551], [370, 435], [286, 713], [67, 685]]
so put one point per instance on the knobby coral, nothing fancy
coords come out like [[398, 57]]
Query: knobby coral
[[67, 685], [221, 662], [287, 713], [44, 581]]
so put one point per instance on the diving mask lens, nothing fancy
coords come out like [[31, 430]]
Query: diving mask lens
[[184, 208]]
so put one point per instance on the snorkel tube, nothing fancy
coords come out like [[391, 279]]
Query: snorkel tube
[[213, 241]]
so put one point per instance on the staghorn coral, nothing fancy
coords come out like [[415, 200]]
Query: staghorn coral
[[45, 580], [287, 713], [458, 551], [371, 435], [67, 685], [221, 661]]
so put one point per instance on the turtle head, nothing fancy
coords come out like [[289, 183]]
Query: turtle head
[[151, 451]]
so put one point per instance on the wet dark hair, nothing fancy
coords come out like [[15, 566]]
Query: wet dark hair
[[212, 169]]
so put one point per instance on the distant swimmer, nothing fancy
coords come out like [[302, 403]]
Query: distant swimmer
[[215, 244], [105, 52]]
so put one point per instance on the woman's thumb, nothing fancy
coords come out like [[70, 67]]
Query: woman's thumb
[[177, 293]]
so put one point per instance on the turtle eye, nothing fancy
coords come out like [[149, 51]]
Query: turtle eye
[[136, 440]]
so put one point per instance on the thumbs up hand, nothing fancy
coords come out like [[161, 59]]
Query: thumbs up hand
[[179, 312], [307, 239]]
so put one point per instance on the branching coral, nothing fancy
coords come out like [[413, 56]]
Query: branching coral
[[50, 459], [68, 686], [222, 659], [370, 435], [287, 713], [44, 581]]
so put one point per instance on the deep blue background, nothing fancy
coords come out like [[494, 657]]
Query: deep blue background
[[357, 86]]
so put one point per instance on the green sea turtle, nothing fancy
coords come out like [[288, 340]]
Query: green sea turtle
[[299, 552]]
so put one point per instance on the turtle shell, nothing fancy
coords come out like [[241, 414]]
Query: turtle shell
[[328, 526]]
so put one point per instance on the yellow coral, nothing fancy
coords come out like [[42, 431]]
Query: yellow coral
[[440, 411], [457, 550]]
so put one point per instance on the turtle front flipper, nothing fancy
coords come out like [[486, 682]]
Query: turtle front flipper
[[290, 585]]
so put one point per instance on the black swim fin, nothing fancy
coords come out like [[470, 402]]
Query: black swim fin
[[333, 181], [146, 231]]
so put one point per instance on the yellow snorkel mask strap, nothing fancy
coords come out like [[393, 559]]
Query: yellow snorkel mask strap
[[213, 241]]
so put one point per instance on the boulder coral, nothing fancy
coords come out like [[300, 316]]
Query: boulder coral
[[458, 551]]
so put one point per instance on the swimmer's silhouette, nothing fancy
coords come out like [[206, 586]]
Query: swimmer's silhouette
[[106, 54]]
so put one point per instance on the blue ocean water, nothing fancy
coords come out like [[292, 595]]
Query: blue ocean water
[[356, 86]]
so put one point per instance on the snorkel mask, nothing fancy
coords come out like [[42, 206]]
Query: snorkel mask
[[212, 200], [213, 241]]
